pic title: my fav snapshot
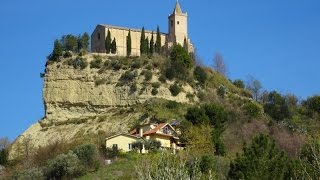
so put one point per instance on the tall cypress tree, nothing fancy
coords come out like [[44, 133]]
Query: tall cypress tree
[[143, 42], [108, 42], [57, 50], [114, 46], [129, 44], [151, 49], [147, 46], [158, 43], [85, 41]]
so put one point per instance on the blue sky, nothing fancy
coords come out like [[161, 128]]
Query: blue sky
[[276, 41]]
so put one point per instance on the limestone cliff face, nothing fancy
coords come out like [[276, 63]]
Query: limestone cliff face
[[77, 105]]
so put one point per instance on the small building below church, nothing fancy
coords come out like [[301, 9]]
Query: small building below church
[[178, 34]]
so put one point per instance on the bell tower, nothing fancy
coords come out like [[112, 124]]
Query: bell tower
[[178, 25]]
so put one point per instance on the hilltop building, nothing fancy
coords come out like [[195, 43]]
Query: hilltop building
[[178, 34]]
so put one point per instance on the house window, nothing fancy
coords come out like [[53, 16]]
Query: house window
[[130, 146], [114, 146], [99, 36], [165, 130], [171, 23], [178, 22]]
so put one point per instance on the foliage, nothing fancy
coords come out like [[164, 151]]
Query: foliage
[[128, 76], [33, 173], [254, 86], [206, 163], [170, 73], [69, 43], [138, 146], [276, 106], [151, 49], [156, 85], [154, 91], [253, 109], [200, 74], [309, 161], [219, 65], [110, 152], [80, 63], [114, 46], [313, 104], [83, 41], [108, 42], [143, 42], [129, 44], [181, 61], [152, 144], [222, 91], [64, 166], [67, 54], [197, 115], [162, 78], [239, 83], [172, 105], [147, 75], [175, 89], [158, 42], [57, 51], [96, 63], [261, 160], [87, 154], [4, 156]]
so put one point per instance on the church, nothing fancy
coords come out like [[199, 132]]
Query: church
[[178, 34]]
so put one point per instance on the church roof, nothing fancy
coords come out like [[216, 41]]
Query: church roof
[[177, 9], [126, 28]]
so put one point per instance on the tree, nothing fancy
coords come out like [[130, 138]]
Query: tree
[[85, 41], [196, 116], [219, 65], [181, 61], [276, 106], [313, 104], [57, 50], [152, 144], [239, 83], [4, 144], [151, 49], [200, 74], [108, 42], [158, 43], [114, 46], [129, 44], [254, 86], [261, 160], [147, 46], [69, 42], [310, 161], [138, 146], [143, 43]]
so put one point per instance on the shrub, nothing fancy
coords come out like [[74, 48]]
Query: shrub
[[252, 109], [96, 63], [154, 91], [239, 83], [109, 152], [175, 89], [136, 64], [170, 73], [156, 85], [147, 75], [200, 74], [152, 144], [116, 65], [137, 146], [83, 52], [128, 76], [313, 104], [80, 63], [206, 163], [172, 105], [67, 54], [162, 79], [3, 157], [99, 82], [87, 154], [181, 61], [133, 88], [33, 173], [222, 91], [64, 166]]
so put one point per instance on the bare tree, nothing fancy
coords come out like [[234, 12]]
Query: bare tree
[[254, 86], [4, 143], [219, 64], [197, 58], [27, 146]]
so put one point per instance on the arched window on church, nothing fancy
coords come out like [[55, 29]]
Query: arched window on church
[[99, 36], [171, 23], [178, 22]]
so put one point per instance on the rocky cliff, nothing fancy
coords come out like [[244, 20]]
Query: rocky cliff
[[90, 94]]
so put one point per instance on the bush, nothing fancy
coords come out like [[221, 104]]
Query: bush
[[137, 146], [239, 83], [34, 173], [152, 144], [154, 91], [128, 76], [170, 73], [67, 54], [222, 91], [147, 75], [206, 163], [99, 82], [83, 52], [133, 88], [172, 105], [200, 74], [96, 63], [181, 61], [87, 154], [175, 89], [313, 104], [156, 85], [80, 63], [252, 109], [116, 65], [3, 157], [136, 64], [64, 166], [162, 79]]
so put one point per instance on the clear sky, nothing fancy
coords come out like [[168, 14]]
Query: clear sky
[[276, 41]]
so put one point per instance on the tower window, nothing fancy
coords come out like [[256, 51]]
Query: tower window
[[178, 22], [99, 36], [171, 23]]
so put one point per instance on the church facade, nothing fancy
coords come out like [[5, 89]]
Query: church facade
[[178, 34]]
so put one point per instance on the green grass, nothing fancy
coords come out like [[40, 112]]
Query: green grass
[[122, 168]]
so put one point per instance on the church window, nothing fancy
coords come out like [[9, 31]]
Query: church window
[[99, 36], [178, 22], [171, 23]]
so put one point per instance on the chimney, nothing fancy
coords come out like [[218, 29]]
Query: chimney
[[141, 132]]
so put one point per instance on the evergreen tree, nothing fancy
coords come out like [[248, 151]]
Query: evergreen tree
[[143, 45], [129, 44], [151, 49], [114, 46], [57, 50], [158, 43], [85, 41], [147, 46], [79, 41], [108, 42]]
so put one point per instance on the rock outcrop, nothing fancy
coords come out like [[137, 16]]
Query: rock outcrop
[[85, 101]]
